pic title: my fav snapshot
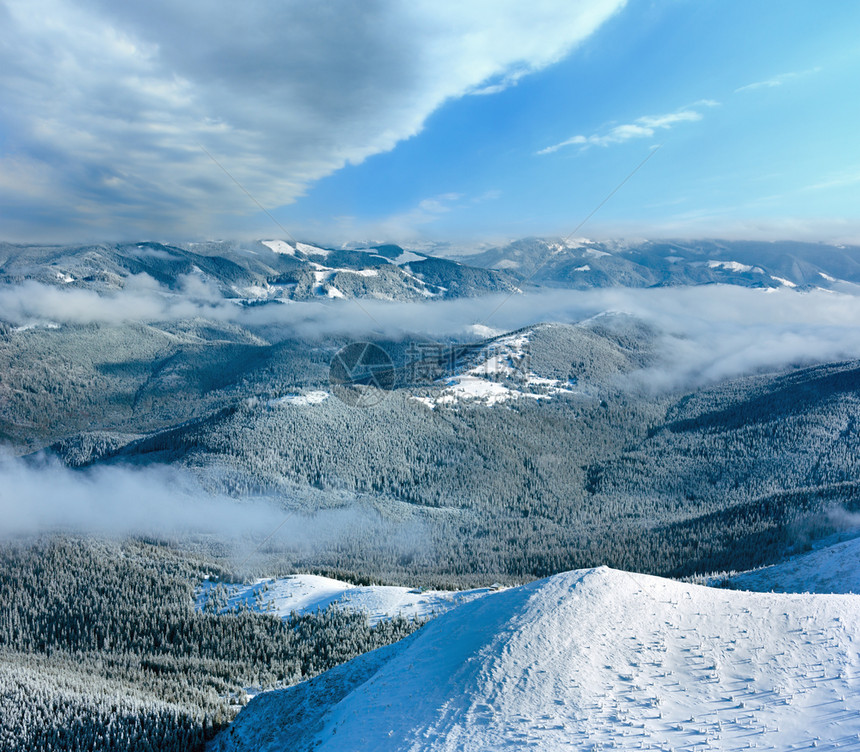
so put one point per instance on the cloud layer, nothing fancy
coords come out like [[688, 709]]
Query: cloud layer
[[104, 106], [709, 333], [42, 496]]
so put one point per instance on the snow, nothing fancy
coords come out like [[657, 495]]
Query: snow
[[827, 277], [408, 257], [592, 659], [306, 593], [468, 387], [833, 569], [784, 282], [36, 325], [506, 357], [484, 331], [573, 243], [594, 252], [252, 292], [308, 398], [732, 266], [279, 246], [311, 250], [333, 292], [584, 268], [65, 278]]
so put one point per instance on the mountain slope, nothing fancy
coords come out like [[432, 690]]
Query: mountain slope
[[594, 657], [584, 264], [832, 569], [266, 270]]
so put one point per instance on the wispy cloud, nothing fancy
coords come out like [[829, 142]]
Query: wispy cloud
[[779, 80], [643, 127], [837, 181], [407, 225]]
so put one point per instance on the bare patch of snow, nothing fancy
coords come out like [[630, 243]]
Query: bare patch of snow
[[311, 250], [279, 246], [407, 257], [308, 398], [594, 252], [306, 593], [732, 266], [783, 282]]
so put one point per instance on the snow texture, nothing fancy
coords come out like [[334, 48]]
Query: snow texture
[[592, 659]]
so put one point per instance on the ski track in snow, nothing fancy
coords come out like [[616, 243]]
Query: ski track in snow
[[592, 659]]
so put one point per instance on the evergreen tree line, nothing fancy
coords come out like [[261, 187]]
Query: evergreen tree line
[[102, 648]]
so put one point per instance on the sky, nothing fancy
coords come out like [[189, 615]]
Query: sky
[[442, 121]]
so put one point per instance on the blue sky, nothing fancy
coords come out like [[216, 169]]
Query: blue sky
[[771, 147], [392, 121]]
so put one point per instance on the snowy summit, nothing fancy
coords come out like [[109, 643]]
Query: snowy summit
[[591, 659]]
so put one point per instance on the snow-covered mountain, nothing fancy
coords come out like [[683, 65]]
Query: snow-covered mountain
[[591, 659], [254, 271], [583, 264], [275, 269]]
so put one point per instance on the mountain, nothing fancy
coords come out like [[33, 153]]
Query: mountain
[[584, 264], [523, 454], [277, 270], [587, 659], [255, 271], [828, 569]]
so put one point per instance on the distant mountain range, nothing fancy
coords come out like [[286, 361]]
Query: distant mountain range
[[275, 269], [583, 264], [256, 271]]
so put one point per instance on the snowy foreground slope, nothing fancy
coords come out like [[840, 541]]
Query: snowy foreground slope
[[592, 659]]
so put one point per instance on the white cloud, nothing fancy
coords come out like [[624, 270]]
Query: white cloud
[[643, 127], [779, 80], [711, 332], [43, 496], [105, 105]]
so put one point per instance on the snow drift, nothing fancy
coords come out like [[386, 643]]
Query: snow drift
[[592, 659]]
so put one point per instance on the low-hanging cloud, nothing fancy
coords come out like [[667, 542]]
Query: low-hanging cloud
[[40, 495], [707, 333], [108, 107]]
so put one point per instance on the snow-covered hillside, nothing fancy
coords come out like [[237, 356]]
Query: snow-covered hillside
[[833, 569], [303, 593], [500, 374], [593, 659]]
